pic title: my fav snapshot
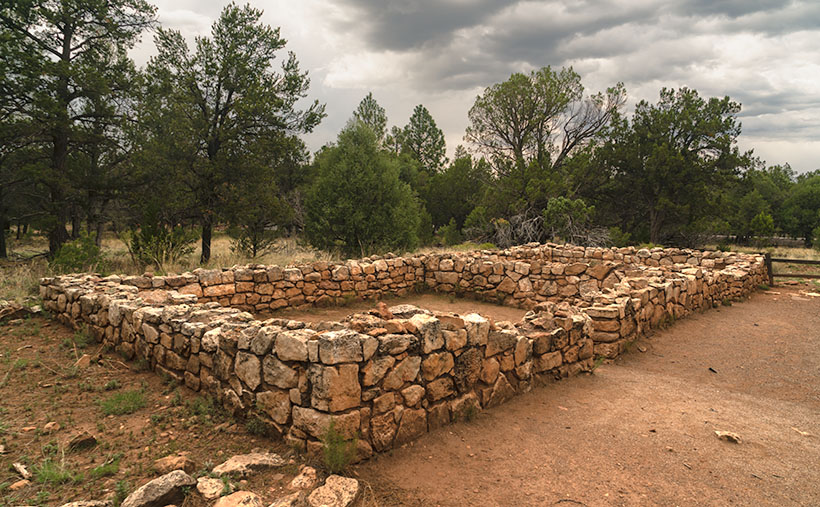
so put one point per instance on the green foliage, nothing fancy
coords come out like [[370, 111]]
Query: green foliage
[[370, 113], [424, 141], [455, 192], [815, 234], [358, 204], [568, 219], [529, 128], [619, 238], [126, 402], [81, 254], [337, 451], [762, 226], [50, 472], [121, 491], [802, 207], [449, 234], [674, 160], [222, 111], [158, 244], [110, 467]]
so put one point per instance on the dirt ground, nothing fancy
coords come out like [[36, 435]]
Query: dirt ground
[[432, 302], [637, 431], [39, 384], [641, 431]]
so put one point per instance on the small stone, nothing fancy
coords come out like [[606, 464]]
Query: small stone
[[239, 499], [51, 427], [83, 362], [82, 440], [19, 485], [246, 463], [88, 503], [209, 487], [337, 491], [728, 436]]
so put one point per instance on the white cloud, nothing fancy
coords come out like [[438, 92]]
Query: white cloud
[[442, 53]]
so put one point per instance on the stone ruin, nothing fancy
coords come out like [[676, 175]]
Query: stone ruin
[[387, 376]]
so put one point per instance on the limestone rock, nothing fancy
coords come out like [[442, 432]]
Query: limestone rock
[[335, 388], [175, 462], [248, 369], [244, 464], [239, 499], [293, 500], [343, 346], [209, 487], [276, 404], [161, 491], [306, 480], [337, 491]]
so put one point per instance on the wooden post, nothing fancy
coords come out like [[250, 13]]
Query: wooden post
[[768, 260]]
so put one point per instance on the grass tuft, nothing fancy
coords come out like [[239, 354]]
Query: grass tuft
[[126, 402]]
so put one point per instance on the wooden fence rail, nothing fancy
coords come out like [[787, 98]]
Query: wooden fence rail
[[769, 260]]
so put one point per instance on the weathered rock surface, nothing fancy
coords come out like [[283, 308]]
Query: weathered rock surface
[[244, 464], [337, 491], [161, 491]]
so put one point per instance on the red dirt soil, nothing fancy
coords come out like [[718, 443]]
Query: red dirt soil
[[432, 302], [641, 431]]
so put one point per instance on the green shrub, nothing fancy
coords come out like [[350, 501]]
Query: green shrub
[[159, 244], [449, 234], [81, 254], [338, 452]]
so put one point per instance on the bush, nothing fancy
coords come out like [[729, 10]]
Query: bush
[[449, 235], [82, 254], [159, 245], [338, 451], [815, 234], [358, 204]]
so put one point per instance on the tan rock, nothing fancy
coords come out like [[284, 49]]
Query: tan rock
[[413, 424], [436, 364], [244, 464], [240, 499], [276, 404], [335, 388], [210, 488], [336, 492], [306, 480], [17, 486], [174, 462]]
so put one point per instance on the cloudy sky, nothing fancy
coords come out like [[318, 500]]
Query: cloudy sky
[[762, 53]]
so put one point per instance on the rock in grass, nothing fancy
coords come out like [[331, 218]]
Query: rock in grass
[[161, 491], [82, 440], [209, 487]]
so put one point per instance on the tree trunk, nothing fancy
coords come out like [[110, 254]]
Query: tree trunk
[[207, 229], [3, 222], [655, 225]]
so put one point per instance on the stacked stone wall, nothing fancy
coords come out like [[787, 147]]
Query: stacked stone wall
[[389, 376]]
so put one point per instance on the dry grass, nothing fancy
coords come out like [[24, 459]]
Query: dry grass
[[782, 251]]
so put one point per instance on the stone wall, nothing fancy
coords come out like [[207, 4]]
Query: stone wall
[[393, 374]]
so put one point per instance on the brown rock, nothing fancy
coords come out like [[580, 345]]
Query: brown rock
[[440, 388], [276, 404], [209, 487], [175, 462], [436, 364], [82, 440], [335, 388], [413, 424], [383, 431], [165, 490]]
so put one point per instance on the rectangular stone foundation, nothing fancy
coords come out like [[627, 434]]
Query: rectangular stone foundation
[[389, 376]]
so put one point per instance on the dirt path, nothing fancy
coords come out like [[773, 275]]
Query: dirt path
[[640, 431]]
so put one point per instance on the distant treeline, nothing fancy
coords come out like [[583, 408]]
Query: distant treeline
[[209, 135]]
